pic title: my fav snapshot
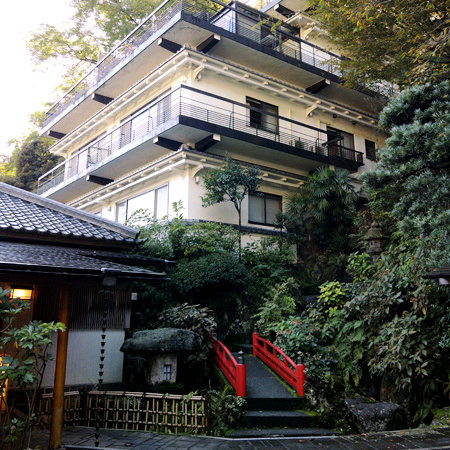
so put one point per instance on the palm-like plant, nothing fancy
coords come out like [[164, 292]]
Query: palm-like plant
[[322, 211]]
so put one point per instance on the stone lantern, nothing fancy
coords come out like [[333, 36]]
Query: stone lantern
[[375, 238]]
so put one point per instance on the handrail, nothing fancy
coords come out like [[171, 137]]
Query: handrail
[[280, 363], [234, 371], [214, 12], [196, 105]]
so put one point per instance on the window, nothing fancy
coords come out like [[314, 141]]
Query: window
[[156, 202], [167, 372], [371, 151], [339, 138], [263, 208], [262, 116]]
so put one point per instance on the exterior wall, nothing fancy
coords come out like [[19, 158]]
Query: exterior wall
[[83, 358]]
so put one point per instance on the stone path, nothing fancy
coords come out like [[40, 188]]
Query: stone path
[[83, 438]]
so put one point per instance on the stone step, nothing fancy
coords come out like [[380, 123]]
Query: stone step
[[272, 419], [274, 404], [249, 433]]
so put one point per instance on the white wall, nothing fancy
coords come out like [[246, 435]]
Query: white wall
[[83, 358]]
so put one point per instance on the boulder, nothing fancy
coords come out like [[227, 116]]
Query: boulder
[[369, 415], [162, 340]]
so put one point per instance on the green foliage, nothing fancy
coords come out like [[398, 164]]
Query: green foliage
[[360, 266], [296, 335], [323, 210], [177, 238], [200, 321], [400, 42], [231, 183], [411, 179], [218, 271], [93, 30], [279, 305], [30, 159], [333, 296], [26, 364], [226, 411]]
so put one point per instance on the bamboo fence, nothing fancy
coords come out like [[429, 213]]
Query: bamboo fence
[[142, 411]]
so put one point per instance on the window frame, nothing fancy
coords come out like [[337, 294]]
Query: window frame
[[265, 196], [371, 153], [155, 203], [257, 114]]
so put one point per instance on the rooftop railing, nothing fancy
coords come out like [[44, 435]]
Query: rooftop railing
[[237, 20], [205, 108]]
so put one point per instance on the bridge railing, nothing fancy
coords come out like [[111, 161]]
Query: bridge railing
[[234, 371], [291, 372]]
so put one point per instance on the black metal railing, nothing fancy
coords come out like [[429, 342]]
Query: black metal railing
[[208, 109], [238, 21]]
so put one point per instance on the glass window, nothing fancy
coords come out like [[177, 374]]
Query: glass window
[[263, 116], [161, 202], [371, 151], [339, 138], [263, 208], [167, 372], [156, 202]]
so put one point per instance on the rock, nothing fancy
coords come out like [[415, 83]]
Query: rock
[[162, 340], [441, 418], [369, 416]]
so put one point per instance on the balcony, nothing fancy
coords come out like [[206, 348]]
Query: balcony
[[188, 21], [188, 115]]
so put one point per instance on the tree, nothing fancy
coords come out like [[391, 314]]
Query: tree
[[96, 28], [402, 42], [411, 180], [231, 183], [30, 159], [322, 211]]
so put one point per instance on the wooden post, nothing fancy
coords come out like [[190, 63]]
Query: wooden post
[[241, 376], [300, 369], [60, 371]]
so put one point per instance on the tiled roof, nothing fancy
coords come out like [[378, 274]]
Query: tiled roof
[[36, 258], [25, 212]]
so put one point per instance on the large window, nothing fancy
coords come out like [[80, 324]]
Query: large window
[[156, 202], [263, 208], [263, 116]]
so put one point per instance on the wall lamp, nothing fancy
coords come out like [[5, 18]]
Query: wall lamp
[[22, 292]]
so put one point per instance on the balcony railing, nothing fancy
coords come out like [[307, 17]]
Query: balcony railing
[[227, 117], [238, 21]]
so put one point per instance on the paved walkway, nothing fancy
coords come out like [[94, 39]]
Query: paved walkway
[[83, 438], [261, 382]]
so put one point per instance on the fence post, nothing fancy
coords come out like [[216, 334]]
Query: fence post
[[241, 373], [300, 369], [254, 340]]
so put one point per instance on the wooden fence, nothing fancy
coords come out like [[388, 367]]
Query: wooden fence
[[130, 411]]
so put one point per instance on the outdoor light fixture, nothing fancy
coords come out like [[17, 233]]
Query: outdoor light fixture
[[22, 292]]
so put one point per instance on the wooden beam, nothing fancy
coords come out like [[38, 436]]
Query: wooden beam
[[169, 45], [286, 12], [317, 87], [209, 43], [167, 143], [98, 180], [101, 98], [207, 142], [55, 134], [60, 371]]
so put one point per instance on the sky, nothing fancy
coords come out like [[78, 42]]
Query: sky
[[25, 88]]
